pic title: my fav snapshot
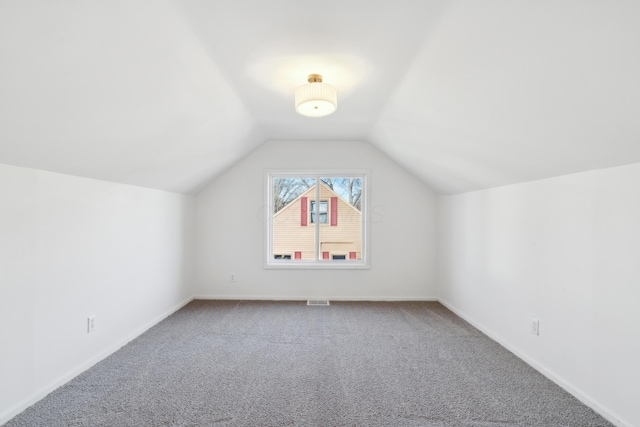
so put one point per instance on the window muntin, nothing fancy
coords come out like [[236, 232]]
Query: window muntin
[[318, 218]]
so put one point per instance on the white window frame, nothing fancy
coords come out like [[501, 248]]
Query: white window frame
[[318, 263]]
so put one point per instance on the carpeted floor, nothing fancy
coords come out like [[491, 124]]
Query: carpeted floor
[[249, 363]]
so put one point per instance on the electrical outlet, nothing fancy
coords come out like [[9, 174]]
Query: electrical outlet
[[232, 277], [535, 326], [91, 324]]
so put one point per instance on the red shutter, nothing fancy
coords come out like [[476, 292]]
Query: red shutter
[[352, 255], [325, 255], [297, 255], [334, 211], [303, 212]]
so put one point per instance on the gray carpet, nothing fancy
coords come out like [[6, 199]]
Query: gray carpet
[[249, 363]]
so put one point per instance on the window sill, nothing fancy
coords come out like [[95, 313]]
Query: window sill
[[316, 265]]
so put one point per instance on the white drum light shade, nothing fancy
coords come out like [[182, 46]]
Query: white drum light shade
[[316, 99]]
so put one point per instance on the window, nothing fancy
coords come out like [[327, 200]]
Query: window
[[322, 211], [316, 220]]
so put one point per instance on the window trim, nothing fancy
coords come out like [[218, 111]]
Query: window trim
[[347, 264]]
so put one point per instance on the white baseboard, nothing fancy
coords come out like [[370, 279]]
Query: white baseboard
[[43, 391], [307, 297], [577, 393]]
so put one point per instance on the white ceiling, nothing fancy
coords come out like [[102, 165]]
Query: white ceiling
[[464, 94]]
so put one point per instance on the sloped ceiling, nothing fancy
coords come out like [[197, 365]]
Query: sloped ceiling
[[503, 92], [466, 95]]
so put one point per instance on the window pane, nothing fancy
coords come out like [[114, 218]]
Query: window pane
[[292, 230], [341, 237], [322, 207]]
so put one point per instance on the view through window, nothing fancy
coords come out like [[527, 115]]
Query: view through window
[[316, 219]]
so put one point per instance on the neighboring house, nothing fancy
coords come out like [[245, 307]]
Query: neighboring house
[[340, 225]]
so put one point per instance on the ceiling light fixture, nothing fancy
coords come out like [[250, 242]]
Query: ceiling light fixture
[[316, 99]]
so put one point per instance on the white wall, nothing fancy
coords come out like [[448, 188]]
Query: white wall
[[73, 247], [567, 251], [231, 229]]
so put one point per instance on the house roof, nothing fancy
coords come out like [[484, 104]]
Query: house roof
[[465, 95], [306, 194]]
